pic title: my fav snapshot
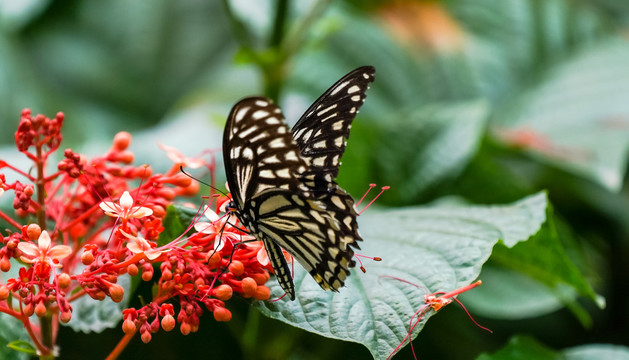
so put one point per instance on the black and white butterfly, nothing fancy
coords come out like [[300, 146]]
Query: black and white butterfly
[[283, 182]]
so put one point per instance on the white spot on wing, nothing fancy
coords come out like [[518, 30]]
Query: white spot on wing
[[247, 132], [339, 88], [262, 103], [247, 153], [353, 89], [240, 114], [260, 114]]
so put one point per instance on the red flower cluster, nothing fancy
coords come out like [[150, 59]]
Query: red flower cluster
[[106, 217]]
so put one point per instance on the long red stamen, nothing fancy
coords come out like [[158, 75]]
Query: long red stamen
[[383, 189], [371, 186]]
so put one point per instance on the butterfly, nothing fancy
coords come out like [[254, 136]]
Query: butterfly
[[283, 182]]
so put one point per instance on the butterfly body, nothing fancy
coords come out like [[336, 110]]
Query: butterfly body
[[283, 182]]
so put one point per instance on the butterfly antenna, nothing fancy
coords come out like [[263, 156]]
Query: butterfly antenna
[[200, 181]]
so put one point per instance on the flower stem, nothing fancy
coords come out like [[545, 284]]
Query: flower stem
[[120, 347]]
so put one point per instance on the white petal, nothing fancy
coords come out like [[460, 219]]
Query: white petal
[[210, 214], [126, 201], [44, 241], [29, 249]]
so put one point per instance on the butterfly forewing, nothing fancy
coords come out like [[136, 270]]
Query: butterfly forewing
[[322, 132]]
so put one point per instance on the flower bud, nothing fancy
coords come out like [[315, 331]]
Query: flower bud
[[28, 309], [262, 293], [87, 257], [122, 140], [146, 337], [5, 264], [33, 231], [185, 328], [65, 317], [223, 292], [128, 326], [147, 272], [116, 292], [40, 309], [261, 278], [64, 280], [249, 286], [4, 292], [132, 270], [222, 314], [168, 322], [237, 268], [214, 259]]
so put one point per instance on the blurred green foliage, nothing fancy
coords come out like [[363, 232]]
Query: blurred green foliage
[[487, 100]]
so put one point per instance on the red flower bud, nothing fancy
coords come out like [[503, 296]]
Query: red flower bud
[[128, 326], [223, 292], [249, 286], [146, 337], [185, 328], [261, 278], [40, 309], [28, 309], [87, 257], [168, 322], [5, 264], [4, 292], [65, 316], [116, 292], [33, 231], [64, 280], [132, 270], [147, 272], [262, 293], [222, 314], [122, 140], [237, 268]]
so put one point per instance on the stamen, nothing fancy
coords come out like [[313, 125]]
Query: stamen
[[371, 186], [382, 190], [362, 268]]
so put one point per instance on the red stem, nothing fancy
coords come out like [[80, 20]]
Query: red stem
[[14, 223]]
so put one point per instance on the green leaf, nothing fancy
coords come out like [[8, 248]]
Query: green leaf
[[417, 151], [175, 223], [12, 329], [578, 115], [22, 346], [543, 257], [597, 351], [438, 248], [522, 348], [510, 295], [525, 347]]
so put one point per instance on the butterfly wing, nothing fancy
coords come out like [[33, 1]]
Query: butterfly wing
[[322, 133], [264, 173]]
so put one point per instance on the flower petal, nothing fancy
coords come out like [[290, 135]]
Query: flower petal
[[126, 201], [141, 211], [109, 206], [263, 257], [59, 252], [204, 227], [210, 214], [29, 249], [44, 241]]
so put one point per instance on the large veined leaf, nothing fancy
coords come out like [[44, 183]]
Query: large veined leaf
[[438, 248], [524, 348], [578, 117]]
